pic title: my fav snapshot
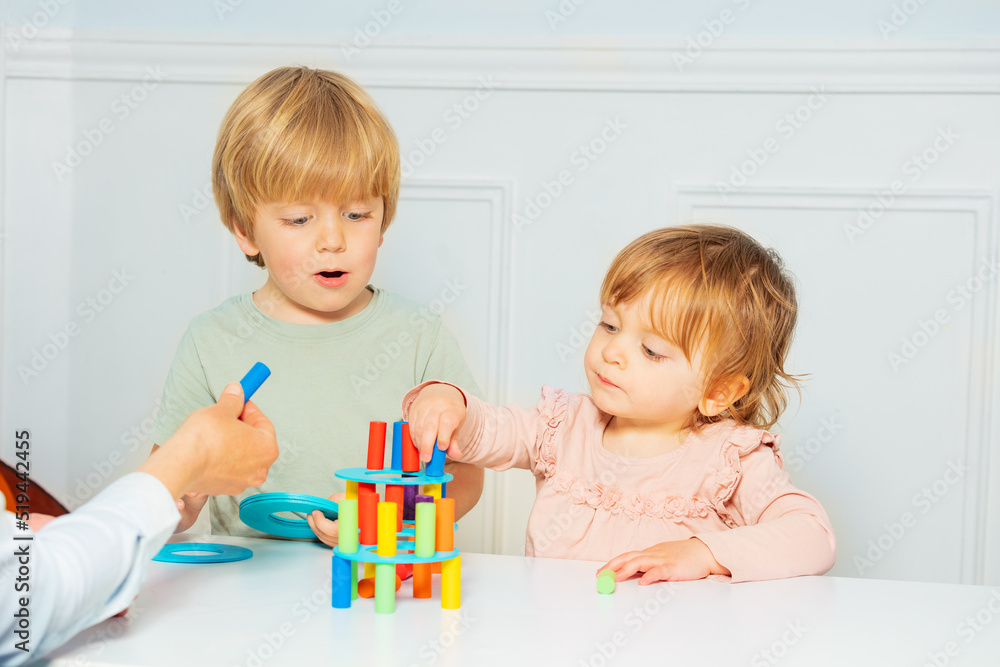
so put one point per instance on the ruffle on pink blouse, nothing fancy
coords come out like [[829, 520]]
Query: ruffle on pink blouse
[[740, 441], [658, 505], [555, 404]]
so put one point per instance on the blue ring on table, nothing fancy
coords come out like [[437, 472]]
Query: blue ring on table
[[258, 512], [213, 553]]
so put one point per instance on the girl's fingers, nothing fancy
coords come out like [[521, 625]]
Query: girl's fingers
[[628, 569], [453, 451], [653, 575], [616, 562]]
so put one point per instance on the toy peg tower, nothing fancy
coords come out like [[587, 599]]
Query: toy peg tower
[[410, 526]]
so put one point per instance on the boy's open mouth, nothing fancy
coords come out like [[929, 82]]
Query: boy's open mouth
[[331, 274]]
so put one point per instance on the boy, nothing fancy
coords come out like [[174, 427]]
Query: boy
[[306, 176]]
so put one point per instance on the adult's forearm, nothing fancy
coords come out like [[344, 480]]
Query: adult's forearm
[[88, 565], [176, 469]]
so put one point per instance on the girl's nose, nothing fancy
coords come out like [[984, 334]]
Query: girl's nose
[[612, 353]]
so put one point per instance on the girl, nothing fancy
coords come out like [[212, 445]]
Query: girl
[[666, 467]]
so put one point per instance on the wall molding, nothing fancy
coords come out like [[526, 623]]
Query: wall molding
[[563, 64], [983, 388], [498, 195]]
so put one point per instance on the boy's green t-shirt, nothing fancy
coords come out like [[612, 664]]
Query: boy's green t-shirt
[[328, 381]]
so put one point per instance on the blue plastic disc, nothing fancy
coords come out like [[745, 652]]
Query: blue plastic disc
[[259, 511], [212, 553]]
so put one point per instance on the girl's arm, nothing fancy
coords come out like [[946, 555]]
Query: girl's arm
[[680, 560], [779, 530], [470, 430]]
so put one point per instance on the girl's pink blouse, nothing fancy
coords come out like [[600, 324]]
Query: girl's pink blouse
[[725, 485]]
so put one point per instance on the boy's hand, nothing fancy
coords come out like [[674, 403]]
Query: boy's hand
[[327, 531], [681, 560], [437, 413], [193, 502]]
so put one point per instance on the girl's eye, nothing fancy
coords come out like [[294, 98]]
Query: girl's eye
[[649, 353], [297, 222], [355, 216], [607, 327]]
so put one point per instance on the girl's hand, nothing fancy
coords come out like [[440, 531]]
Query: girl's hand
[[327, 531], [437, 413], [682, 560]]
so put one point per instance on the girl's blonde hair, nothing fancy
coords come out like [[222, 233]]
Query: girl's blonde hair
[[298, 133], [715, 289]]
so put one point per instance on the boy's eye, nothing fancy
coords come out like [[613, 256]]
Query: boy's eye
[[607, 327], [297, 222], [357, 216], [650, 353]]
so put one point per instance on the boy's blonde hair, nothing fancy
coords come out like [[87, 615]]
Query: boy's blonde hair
[[715, 289], [299, 133]]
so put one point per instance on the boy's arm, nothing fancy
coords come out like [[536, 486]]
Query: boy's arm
[[466, 487], [189, 505]]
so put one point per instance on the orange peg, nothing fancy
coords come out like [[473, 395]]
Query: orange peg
[[445, 527]]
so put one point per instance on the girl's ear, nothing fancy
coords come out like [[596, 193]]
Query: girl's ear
[[725, 394]]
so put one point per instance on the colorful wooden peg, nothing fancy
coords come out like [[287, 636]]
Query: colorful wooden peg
[[366, 587], [341, 583], [424, 530], [444, 539], [435, 467], [421, 580], [451, 583], [367, 516], [376, 445], [394, 494], [410, 455], [348, 531], [397, 446], [606, 581], [386, 531], [385, 590]]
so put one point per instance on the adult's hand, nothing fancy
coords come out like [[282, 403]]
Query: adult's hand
[[220, 449]]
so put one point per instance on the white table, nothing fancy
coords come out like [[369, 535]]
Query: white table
[[274, 609]]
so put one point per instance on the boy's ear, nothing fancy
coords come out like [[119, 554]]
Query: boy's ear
[[726, 393], [381, 237], [246, 245]]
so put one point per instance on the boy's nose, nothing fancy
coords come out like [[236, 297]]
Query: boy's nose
[[331, 237]]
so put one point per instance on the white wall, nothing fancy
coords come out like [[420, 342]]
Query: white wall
[[817, 112]]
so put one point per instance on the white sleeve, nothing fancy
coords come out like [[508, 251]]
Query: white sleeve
[[82, 567]]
